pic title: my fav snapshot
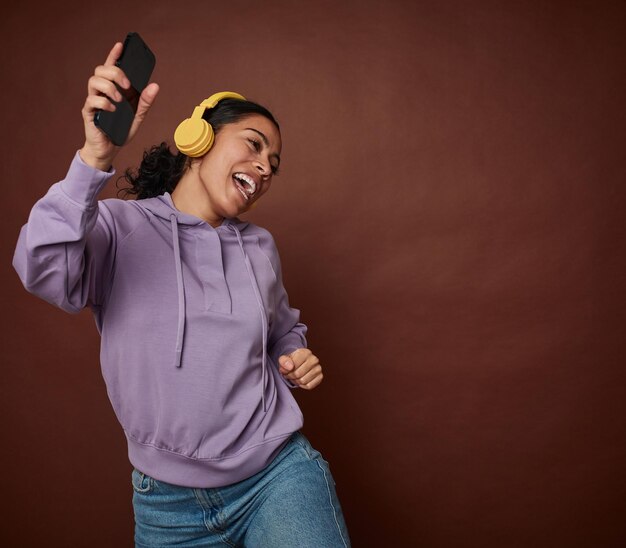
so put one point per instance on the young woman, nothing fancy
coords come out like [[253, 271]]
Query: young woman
[[200, 348]]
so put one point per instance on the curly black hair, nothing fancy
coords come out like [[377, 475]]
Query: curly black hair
[[159, 172]]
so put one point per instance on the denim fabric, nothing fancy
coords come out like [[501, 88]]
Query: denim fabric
[[291, 503]]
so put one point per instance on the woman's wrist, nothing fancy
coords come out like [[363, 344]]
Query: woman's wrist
[[91, 159]]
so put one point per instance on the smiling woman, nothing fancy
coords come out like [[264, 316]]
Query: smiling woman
[[235, 173], [203, 388]]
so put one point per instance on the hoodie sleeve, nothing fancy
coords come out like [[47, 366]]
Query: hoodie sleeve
[[286, 333], [66, 248]]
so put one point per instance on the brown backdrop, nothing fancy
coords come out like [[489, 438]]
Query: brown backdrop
[[450, 216]]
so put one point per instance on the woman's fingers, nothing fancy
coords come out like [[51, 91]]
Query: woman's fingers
[[97, 85], [105, 77], [97, 102], [311, 375], [303, 360], [146, 100], [306, 371], [312, 384], [98, 150], [114, 54], [113, 74], [105, 86]]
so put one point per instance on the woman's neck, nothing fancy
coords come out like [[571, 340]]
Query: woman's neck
[[190, 197]]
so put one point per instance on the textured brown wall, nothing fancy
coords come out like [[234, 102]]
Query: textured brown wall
[[450, 216]]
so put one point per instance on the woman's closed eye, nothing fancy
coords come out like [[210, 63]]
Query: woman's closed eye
[[255, 144]]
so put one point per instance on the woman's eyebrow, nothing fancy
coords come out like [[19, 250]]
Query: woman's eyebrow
[[267, 143]]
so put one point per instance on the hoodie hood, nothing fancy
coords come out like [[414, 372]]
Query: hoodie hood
[[163, 207]]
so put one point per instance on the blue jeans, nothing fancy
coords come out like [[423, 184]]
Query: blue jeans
[[290, 503]]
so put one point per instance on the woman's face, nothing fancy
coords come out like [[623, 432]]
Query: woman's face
[[238, 168]]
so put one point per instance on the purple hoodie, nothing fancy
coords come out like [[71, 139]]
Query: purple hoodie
[[192, 320]]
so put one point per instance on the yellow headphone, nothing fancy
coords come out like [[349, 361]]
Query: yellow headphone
[[194, 136]]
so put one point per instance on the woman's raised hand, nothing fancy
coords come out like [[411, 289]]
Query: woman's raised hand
[[98, 150]]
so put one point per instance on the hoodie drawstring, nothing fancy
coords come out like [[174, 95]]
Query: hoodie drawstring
[[259, 300], [181, 302], [180, 334]]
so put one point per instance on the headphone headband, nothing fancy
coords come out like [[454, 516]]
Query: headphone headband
[[217, 97]]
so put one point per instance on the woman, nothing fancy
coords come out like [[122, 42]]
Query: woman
[[202, 384]]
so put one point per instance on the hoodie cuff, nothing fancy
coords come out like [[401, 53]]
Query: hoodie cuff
[[83, 183]]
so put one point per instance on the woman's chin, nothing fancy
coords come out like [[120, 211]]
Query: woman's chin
[[241, 206]]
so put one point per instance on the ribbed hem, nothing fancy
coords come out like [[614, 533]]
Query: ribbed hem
[[184, 471]]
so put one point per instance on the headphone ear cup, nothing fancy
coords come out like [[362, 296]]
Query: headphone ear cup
[[194, 137]]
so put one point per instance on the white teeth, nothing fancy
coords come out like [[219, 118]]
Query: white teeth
[[243, 193], [250, 186]]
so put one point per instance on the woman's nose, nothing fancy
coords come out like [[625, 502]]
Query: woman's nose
[[263, 167]]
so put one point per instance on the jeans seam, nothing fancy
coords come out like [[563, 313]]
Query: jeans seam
[[204, 516], [330, 500], [304, 447], [215, 530]]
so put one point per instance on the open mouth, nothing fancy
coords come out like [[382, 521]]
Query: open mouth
[[245, 184]]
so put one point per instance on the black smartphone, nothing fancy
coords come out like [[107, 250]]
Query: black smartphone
[[137, 62]]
